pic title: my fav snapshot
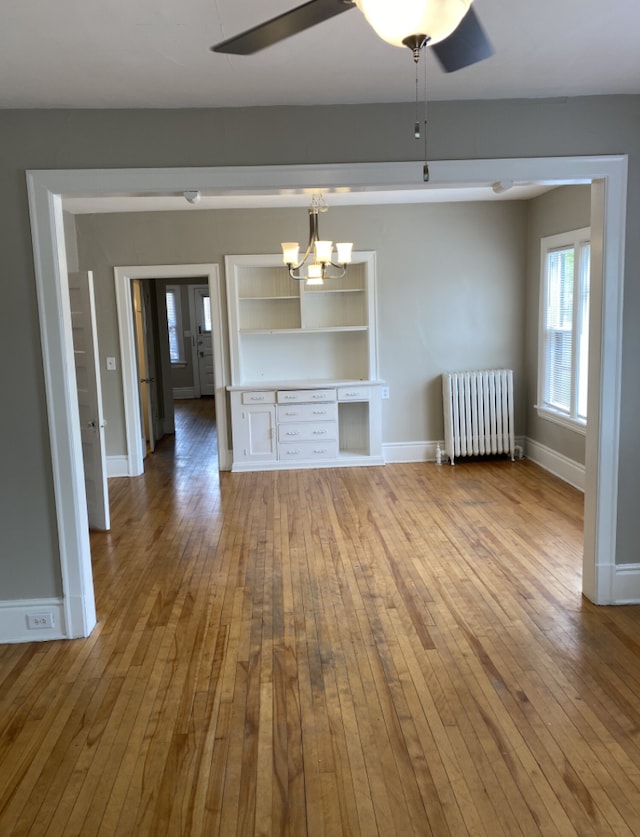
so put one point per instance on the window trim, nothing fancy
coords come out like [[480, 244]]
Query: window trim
[[576, 239]]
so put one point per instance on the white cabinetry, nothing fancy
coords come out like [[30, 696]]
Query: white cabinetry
[[304, 366]]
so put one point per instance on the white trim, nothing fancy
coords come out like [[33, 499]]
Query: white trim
[[398, 452], [575, 239], [560, 418], [602, 448], [180, 393], [344, 460], [560, 466], [117, 466], [123, 277], [13, 620], [603, 433], [626, 585], [52, 288]]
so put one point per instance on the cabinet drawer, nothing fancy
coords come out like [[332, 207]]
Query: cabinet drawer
[[292, 451], [259, 397], [354, 393], [291, 396], [307, 431], [327, 411]]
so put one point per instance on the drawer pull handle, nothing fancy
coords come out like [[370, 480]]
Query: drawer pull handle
[[350, 394], [319, 412], [257, 398], [319, 432], [320, 450], [292, 433]]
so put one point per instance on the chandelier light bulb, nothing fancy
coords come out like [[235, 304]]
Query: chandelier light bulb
[[290, 250], [323, 251], [344, 252]]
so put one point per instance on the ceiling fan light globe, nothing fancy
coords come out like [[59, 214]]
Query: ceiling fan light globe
[[397, 20]]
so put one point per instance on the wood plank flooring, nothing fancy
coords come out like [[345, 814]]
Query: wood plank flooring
[[399, 650]]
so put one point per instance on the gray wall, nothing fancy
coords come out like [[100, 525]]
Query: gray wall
[[450, 291], [558, 211], [29, 558]]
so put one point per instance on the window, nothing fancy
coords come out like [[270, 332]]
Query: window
[[564, 328], [206, 313], [174, 323]]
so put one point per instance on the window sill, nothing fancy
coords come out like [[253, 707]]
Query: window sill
[[178, 364], [562, 419]]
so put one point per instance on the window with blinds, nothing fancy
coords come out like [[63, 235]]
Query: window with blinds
[[564, 327], [174, 324]]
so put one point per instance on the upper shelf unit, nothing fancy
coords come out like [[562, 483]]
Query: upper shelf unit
[[331, 329]]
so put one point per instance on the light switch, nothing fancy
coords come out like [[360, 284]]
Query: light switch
[[111, 364]]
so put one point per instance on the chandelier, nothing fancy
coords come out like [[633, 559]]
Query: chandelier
[[317, 264]]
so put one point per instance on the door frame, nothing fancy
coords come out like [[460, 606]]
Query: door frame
[[45, 190], [123, 276]]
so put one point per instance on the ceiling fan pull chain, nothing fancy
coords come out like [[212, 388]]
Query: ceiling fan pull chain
[[416, 127], [425, 169]]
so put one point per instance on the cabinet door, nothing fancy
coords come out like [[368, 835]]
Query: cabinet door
[[254, 434]]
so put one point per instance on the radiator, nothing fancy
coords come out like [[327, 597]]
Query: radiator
[[478, 413]]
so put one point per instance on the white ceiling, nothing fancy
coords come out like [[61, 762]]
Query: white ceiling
[[155, 53]]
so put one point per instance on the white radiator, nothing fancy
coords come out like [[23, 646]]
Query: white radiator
[[478, 413]]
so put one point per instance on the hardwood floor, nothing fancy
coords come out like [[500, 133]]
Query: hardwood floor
[[397, 650]]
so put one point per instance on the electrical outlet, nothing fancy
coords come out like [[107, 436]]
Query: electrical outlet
[[384, 392], [111, 364], [38, 621]]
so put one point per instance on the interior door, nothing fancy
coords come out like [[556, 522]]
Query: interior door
[[201, 305], [146, 376], [85, 351]]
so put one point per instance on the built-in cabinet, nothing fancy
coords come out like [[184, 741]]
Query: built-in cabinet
[[304, 366]]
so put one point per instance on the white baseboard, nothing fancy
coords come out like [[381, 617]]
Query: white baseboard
[[183, 392], [14, 625], [557, 464], [626, 584], [397, 452], [118, 466], [422, 451]]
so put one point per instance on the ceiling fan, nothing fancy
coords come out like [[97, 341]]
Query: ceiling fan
[[451, 27]]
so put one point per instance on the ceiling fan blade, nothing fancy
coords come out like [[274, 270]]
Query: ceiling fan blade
[[466, 45], [283, 26]]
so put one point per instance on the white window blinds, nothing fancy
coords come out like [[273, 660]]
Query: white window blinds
[[174, 324]]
